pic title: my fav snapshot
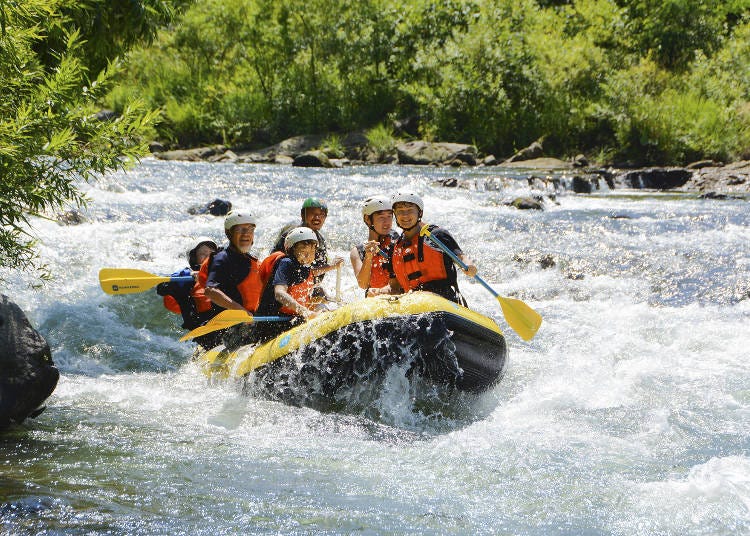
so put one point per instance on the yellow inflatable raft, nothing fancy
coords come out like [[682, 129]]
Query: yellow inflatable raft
[[432, 339]]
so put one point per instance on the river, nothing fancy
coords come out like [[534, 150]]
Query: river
[[628, 413]]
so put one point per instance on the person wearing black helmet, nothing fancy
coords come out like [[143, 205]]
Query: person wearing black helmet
[[180, 297], [371, 260], [417, 264]]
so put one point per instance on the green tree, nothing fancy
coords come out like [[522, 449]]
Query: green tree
[[52, 80], [672, 31]]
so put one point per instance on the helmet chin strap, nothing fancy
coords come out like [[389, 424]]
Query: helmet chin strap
[[372, 228]]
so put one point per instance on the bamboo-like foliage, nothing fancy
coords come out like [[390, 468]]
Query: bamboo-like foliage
[[55, 69]]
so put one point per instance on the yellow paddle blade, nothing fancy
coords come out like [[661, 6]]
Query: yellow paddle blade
[[128, 280], [520, 317], [223, 320]]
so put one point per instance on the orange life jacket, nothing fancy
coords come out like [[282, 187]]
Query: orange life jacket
[[301, 292], [416, 263], [379, 273], [268, 266], [199, 289], [171, 304], [249, 288]]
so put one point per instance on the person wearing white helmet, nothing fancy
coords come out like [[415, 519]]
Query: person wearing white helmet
[[291, 277], [416, 263], [232, 277], [371, 259], [294, 278], [183, 298], [313, 215]]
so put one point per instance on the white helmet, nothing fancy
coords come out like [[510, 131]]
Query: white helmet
[[238, 217], [375, 204], [299, 234], [405, 196]]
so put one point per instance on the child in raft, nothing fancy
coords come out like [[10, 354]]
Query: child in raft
[[291, 281]]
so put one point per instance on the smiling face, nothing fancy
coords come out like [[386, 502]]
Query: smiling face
[[382, 221], [242, 237], [314, 218], [304, 251], [407, 214]]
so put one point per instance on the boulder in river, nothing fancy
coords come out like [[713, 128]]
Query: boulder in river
[[217, 207], [312, 159], [27, 374]]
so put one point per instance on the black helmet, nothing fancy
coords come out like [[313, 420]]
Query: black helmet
[[192, 254]]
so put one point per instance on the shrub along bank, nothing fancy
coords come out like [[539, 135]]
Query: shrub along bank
[[627, 81]]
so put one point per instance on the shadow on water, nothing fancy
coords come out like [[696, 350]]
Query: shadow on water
[[412, 373]]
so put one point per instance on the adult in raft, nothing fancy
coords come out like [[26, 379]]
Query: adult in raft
[[313, 215], [371, 260], [231, 277], [291, 283], [416, 263]]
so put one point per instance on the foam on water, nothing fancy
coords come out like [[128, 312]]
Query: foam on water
[[629, 413]]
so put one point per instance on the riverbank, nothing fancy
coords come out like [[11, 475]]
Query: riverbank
[[709, 179]]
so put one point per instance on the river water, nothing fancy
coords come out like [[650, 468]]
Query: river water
[[629, 413]]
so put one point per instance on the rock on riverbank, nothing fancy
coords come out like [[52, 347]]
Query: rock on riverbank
[[708, 178]]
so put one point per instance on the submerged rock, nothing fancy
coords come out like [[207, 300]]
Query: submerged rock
[[70, 217], [27, 374], [527, 203], [654, 178], [217, 207]]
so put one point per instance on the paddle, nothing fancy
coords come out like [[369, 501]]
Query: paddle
[[520, 317], [338, 283], [129, 280], [229, 318]]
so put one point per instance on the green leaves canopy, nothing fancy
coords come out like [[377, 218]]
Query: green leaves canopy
[[497, 73], [54, 70]]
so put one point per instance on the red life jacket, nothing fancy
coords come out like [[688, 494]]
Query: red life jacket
[[415, 263], [202, 303]]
